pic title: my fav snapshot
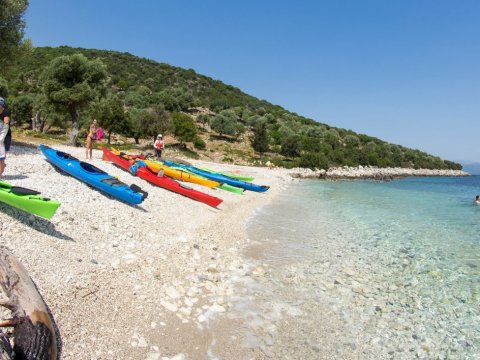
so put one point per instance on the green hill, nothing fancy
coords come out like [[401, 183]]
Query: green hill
[[161, 97]]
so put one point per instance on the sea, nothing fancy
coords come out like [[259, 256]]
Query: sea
[[365, 270]]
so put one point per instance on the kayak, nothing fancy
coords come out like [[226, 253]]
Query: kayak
[[226, 187], [28, 200], [177, 174], [229, 174], [221, 178], [94, 176], [180, 174], [162, 181]]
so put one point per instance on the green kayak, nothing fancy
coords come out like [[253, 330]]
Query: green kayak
[[27, 200], [229, 174]]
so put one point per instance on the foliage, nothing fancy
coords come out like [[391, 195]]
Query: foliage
[[291, 146], [72, 82], [12, 27], [147, 123], [112, 117], [314, 161], [226, 123], [184, 128], [199, 144], [22, 107], [3, 88], [260, 139], [203, 119]]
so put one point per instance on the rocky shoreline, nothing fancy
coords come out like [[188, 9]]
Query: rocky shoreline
[[370, 172]]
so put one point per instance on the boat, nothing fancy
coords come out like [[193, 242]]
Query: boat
[[230, 174], [226, 187], [94, 176], [28, 200], [177, 174], [162, 180], [221, 178]]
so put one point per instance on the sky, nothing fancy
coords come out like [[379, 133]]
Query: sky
[[407, 72]]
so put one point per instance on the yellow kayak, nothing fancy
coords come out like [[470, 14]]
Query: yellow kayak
[[179, 174], [176, 174]]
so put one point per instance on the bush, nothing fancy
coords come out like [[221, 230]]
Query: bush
[[314, 161], [199, 144]]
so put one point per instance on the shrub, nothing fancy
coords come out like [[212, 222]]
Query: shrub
[[199, 144]]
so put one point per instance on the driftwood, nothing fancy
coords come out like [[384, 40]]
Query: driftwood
[[33, 329]]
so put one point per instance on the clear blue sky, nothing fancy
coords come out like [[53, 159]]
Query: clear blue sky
[[405, 71]]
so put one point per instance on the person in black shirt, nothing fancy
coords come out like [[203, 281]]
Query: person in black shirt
[[5, 133]]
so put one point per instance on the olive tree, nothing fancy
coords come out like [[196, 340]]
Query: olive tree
[[72, 82]]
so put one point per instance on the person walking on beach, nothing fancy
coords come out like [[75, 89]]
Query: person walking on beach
[[90, 138], [159, 146], [5, 133], [477, 200]]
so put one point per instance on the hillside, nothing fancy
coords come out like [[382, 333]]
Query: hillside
[[229, 125]]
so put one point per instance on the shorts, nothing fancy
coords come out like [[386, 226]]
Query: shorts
[[3, 153], [8, 141]]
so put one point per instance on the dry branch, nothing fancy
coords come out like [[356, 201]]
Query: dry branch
[[33, 330]]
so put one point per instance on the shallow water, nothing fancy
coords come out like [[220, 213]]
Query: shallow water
[[366, 269]]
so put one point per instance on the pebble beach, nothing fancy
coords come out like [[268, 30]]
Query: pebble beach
[[133, 282]]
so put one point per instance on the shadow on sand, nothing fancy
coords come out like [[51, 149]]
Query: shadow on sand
[[37, 223]]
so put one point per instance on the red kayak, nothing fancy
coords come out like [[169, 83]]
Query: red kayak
[[162, 181]]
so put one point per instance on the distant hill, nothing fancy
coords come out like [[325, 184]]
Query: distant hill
[[472, 168], [291, 139]]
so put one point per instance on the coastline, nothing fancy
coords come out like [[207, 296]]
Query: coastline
[[147, 282], [370, 172]]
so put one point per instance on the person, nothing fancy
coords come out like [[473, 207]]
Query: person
[[159, 146], [5, 133], [90, 138], [477, 200]]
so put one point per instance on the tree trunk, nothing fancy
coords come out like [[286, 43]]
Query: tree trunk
[[108, 138], [74, 134], [41, 126], [34, 121], [137, 140], [33, 329]]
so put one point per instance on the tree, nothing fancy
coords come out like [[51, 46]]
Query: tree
[[22, 107], [260, 139], [72, 82], [291, 146], [314, 161], [351, 141], [3, 87], [43, 114], [12, 27], [149, 122], [203, 119], [112, 117], [184, 128], [226, 123]]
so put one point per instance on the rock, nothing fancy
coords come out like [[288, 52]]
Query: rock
[[169, 306], [217, 308], [172, 292]]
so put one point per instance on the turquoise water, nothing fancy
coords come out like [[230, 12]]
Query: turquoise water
[[371, 269]]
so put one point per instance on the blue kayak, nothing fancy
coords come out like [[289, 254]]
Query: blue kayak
[[220, 178], [93, 176]]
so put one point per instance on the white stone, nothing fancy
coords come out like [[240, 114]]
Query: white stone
[[169, 306], [173, 293]]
